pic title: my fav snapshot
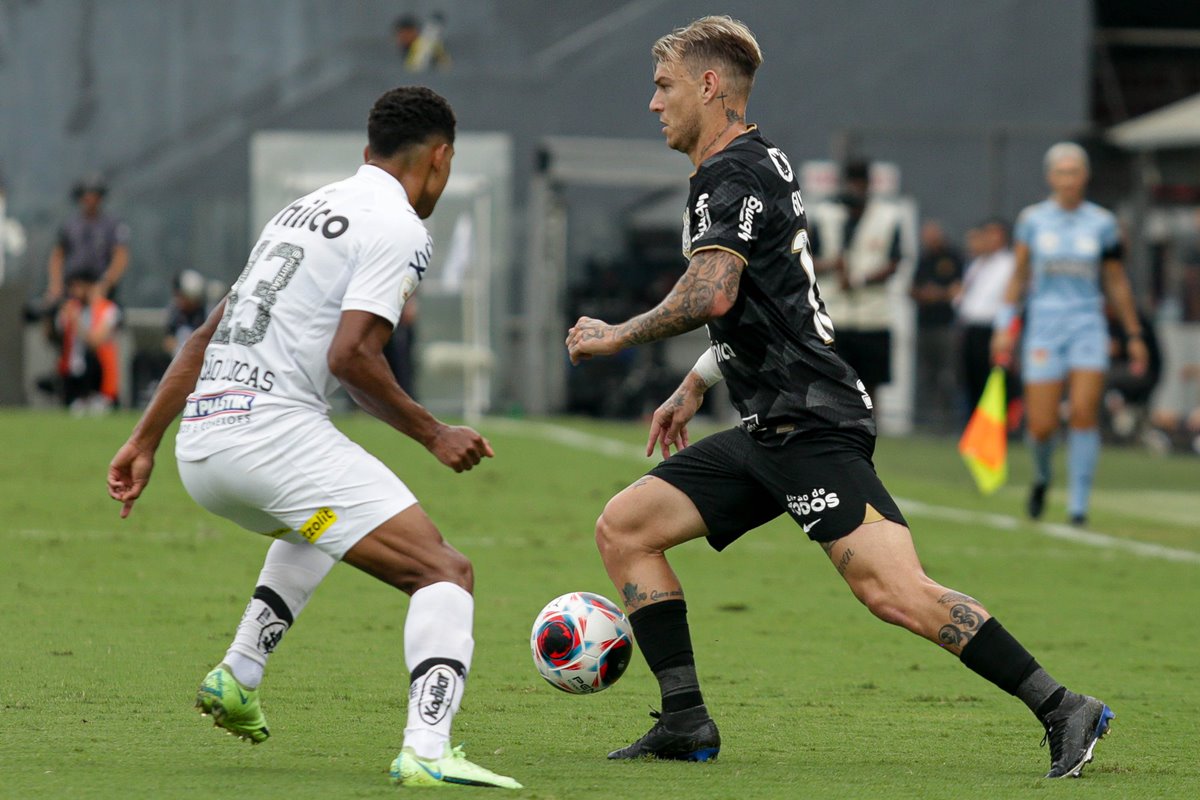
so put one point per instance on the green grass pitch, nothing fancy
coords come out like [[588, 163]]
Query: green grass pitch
[[108, 626]]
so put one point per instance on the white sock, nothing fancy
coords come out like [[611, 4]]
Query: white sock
[[290, 575], [437, 651]]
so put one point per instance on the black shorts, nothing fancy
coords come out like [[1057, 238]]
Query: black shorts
[[825, 480]]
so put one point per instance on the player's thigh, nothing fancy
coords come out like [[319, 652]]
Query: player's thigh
[[315, 484], [1083, 397], [407, 551], [1044, 351], [705, 489], [880, 565], [648, 515]]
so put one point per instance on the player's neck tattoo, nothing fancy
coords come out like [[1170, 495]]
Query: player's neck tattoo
[[731, 118]]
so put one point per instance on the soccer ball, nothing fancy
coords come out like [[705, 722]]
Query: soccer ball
[[581, 643]]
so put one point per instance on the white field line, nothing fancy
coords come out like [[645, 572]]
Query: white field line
[[617, 449]]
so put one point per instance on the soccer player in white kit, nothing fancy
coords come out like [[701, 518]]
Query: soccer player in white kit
[[313, 308]]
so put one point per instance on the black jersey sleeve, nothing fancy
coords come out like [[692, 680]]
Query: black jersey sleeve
[[727, 208]]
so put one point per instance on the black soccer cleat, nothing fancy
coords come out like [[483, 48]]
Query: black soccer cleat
[[1073, 730], [1079, 520], [1037, 501], [689, 735]]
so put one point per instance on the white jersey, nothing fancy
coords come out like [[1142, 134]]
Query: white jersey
[[352, 245]]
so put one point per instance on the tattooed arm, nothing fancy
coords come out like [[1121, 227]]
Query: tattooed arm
[[706, 291]]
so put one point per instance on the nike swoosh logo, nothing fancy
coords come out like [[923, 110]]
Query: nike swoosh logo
[[436, 774], [245, 699], [808, 526]]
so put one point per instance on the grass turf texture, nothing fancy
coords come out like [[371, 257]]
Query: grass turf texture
[[109, 626]]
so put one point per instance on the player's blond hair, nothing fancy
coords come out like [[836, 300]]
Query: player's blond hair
[[714, 42], [1066, 150]]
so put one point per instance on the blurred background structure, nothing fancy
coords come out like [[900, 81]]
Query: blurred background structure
[[954, 103]]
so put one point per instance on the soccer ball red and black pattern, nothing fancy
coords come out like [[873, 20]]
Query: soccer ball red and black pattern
[[581, 643]]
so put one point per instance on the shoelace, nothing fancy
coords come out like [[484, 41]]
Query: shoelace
[[1055, 736]]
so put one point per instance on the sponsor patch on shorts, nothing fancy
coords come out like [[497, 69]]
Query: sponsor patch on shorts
[[318, 523]]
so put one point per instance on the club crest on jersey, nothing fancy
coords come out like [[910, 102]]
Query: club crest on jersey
[[782, 165]]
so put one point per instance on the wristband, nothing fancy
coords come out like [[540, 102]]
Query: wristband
[[707, 369], [1004, 317]]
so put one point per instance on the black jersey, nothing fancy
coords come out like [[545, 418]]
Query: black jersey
[[774, 346]]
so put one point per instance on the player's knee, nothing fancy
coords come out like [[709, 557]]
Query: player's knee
[[617, 530], [888, 603], [450, 567], [1082, 419], [1042, 428], [459, 570]]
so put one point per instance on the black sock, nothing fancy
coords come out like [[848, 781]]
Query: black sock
[[661, 631], [995, 655]]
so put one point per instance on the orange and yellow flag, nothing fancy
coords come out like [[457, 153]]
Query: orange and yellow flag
[[984, 444]]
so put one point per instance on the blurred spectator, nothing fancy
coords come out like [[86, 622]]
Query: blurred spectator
[[185, 313], [1175, 420], [937, 282], [855, 241], [421, 47], [87, 323], [91, 244], [1189, 284], [1127, 390], [982, 294]]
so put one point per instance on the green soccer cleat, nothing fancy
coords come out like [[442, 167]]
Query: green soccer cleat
[[232, 706], [452, 768]]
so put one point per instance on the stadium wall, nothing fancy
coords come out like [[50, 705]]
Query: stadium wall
[[163, 96]]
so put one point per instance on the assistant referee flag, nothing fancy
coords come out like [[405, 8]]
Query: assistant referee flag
[[984, 444]]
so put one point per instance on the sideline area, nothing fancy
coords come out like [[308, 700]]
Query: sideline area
[[615, 448]]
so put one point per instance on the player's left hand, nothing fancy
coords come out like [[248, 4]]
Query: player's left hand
[[591, 337], [128, 475], [669, 425], [1139, 357]]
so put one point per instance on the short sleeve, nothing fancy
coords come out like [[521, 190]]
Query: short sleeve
[[1110, 239], [120, 233], [388, 269], [727, 211], [1023, 230]]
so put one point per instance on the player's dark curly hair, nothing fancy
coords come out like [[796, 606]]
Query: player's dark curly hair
[[406, 116]]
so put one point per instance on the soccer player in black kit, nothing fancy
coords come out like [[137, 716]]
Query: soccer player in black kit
[[807, 435]]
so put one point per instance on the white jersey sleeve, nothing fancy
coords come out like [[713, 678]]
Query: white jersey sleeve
[[387, 268]]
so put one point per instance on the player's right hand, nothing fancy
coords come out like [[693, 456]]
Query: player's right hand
[[128, 474], [460, 447], [669, 425], [1002, 346]]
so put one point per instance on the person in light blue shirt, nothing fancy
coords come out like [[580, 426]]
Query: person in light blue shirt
[[1068, 252]]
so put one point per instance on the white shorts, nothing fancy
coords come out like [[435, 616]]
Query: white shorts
[[308, 484]]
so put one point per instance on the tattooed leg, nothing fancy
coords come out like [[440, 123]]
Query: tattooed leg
[[633, 533], [880, 565]]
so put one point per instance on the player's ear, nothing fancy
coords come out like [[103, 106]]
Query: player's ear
[[366, 153], [440, 157], [710, 85]]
